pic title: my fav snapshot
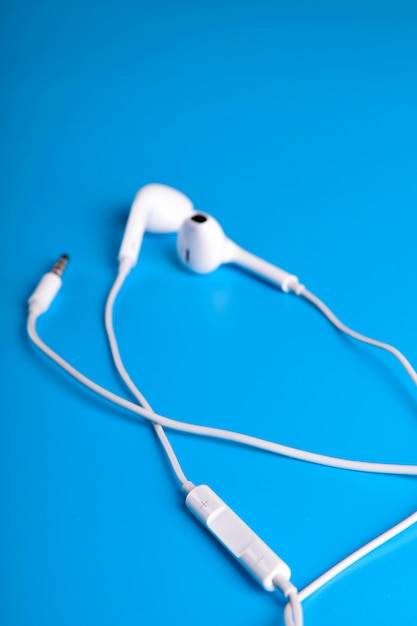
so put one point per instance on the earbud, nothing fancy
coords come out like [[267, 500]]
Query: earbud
[[155, 209], [202, 246]]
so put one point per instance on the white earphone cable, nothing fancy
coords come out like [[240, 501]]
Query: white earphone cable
[[369, 547], [292, 613], [124, 270], [216, 433], [319, 304]]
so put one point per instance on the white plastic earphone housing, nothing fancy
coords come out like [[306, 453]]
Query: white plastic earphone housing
[[156, 209], [202, 245]]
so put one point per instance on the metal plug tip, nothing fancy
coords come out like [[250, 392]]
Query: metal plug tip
[[60, 265]]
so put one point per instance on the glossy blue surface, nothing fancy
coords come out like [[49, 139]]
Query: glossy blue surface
[[295, 125]]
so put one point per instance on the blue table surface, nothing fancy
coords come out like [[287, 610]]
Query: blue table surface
[[294, 124]]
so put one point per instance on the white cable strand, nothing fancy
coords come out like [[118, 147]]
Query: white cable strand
[[124, 270], [356, 556], [108, 319], [216, 433], [319, 304], [293, 614]]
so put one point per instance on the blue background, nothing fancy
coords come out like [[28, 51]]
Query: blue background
[[295, 125]]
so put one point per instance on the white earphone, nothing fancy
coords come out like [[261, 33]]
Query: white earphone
[[155, 209], [202, 247], [201, 242]]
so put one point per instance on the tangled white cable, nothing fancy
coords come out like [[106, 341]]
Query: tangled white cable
[[202, 246]]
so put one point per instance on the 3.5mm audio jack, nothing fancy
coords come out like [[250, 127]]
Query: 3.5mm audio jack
[[60, 265], [48, 287]]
